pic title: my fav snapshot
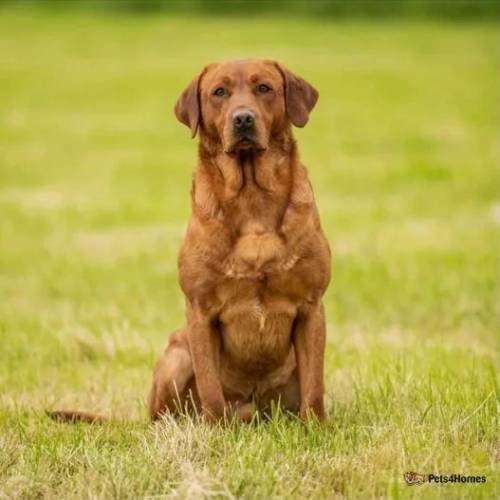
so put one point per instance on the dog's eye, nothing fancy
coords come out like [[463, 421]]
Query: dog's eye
[[263, 88], [219, 91]]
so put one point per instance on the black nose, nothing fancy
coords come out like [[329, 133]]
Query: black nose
[[243, 120]]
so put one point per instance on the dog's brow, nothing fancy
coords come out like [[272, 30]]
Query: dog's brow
[[255, 78]]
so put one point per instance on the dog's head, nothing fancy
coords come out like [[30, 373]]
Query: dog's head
[[242, 104]]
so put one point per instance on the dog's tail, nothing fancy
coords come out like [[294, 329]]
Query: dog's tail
[[73, 416]]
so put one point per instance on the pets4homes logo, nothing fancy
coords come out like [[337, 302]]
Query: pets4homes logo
[[415, 478]]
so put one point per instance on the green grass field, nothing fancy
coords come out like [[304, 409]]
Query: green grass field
[[95, 175]]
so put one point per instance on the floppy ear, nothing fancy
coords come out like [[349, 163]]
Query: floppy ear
[[187, 107], [300, 97]]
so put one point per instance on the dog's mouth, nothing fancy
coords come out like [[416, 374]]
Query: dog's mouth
[[245, 143]]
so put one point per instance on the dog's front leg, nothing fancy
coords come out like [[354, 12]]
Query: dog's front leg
[[204, 345], [309, 343]]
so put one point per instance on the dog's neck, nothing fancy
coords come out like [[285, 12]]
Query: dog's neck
[[232, 187]]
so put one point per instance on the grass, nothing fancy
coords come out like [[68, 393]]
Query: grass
[[94, 180]]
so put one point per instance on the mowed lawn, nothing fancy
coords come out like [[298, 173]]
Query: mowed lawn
[[95, 174]]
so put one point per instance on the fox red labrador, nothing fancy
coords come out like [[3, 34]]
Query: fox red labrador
[[254, 263]]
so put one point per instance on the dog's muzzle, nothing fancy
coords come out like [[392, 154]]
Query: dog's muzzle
[[244, 132], [243, 123]]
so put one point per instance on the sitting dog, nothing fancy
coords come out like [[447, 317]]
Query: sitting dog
[[254, 263]]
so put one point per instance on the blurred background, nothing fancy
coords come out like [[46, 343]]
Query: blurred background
[[95, 171]]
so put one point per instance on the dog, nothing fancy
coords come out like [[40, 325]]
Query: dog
[[254, 263]]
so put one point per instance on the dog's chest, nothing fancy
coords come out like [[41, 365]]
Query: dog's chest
[[256, 323], [254, 191], [255, 209]]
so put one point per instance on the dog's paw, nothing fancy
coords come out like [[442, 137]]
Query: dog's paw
[[312, 412], [245, 412]]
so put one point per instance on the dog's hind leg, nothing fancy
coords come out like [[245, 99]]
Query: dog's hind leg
[[173, 385]]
